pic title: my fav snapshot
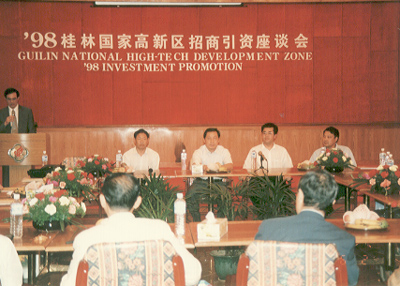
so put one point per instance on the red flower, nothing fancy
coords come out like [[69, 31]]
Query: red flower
[[335, 160], [315, 163], [80, 164], [386, 167], [90, 176], [97, 162], [108, 165], [384, 174], [40, 196], [59, 193], [84, 174], [71, 177], [99, 157], [55, 174], [372, 173], [334, 152]]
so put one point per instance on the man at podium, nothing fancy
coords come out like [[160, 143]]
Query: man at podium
[[15, 118]]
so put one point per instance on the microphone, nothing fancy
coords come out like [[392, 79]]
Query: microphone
[[262, 157]]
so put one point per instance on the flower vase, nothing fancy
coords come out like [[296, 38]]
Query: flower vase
[[49, 226]]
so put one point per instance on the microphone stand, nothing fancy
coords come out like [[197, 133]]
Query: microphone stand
[[261, 164]]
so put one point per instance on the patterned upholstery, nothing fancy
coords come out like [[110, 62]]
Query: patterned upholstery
[[70, 162], [284, 263], [131, 263]]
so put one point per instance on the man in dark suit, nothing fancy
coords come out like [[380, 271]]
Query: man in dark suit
[[14, 119], [316, 191], [22, 115]]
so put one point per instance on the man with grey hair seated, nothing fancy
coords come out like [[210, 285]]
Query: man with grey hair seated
[[120, 196], [316, 191]]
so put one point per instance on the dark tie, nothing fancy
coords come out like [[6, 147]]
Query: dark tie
[[14, 127]]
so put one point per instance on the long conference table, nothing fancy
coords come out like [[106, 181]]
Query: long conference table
[[240, 233]]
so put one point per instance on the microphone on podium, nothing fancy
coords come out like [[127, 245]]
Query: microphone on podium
[[262, 157]]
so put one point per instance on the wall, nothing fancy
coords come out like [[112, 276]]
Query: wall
[[351, 75]]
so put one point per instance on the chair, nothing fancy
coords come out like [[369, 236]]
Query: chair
[[131, 263], [287, 263]]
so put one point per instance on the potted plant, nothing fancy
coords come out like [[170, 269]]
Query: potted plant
[[53, 210], [273, 196], [334, 160], [231, 202], [158, 197]]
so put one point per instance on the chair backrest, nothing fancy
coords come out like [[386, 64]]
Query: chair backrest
[[287, 263], [152, 262]]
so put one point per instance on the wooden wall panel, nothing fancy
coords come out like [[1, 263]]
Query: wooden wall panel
[[356, 20], [328, 20]]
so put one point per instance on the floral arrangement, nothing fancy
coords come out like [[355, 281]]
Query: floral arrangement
[[54, 205], [383, 180], [75, 181], [96, 166], [334, 158]]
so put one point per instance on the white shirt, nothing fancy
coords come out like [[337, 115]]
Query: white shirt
[[278, 157], [205, 157], [10, 265], [150, 159], [122, 227], [10, 110], [345, 149]]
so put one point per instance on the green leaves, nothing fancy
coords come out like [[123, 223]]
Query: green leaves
[[158, 199], [274, 196]]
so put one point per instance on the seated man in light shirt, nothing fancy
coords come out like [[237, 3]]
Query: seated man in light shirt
[[330, 139], [277, 156], [120, 196], [10, 265], [213, 157], [141, 157]]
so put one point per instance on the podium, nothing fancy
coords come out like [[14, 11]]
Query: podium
[[32, 143]]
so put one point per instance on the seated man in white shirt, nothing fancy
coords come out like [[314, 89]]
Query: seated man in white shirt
[[10, 265], [120, 196], [329, 140], [141, 157], [212, 156], [277, 156]]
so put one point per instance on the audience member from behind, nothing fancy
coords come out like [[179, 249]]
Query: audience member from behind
[[316, 191], [10, 265], [277, 156], [120, 196], [141, 157]]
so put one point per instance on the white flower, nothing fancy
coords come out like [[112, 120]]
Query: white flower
[[324, 158], [372, 181], [106, 159], [393, 168], [72, 200], [344, 158], [70, 171], [96, 155], [50, 209], [90, 160], [57, 169], [63, 185], [64, 201], [33, 202], [380, 167], [398, 182], [83, 206], [72, 209], [351, 162]]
